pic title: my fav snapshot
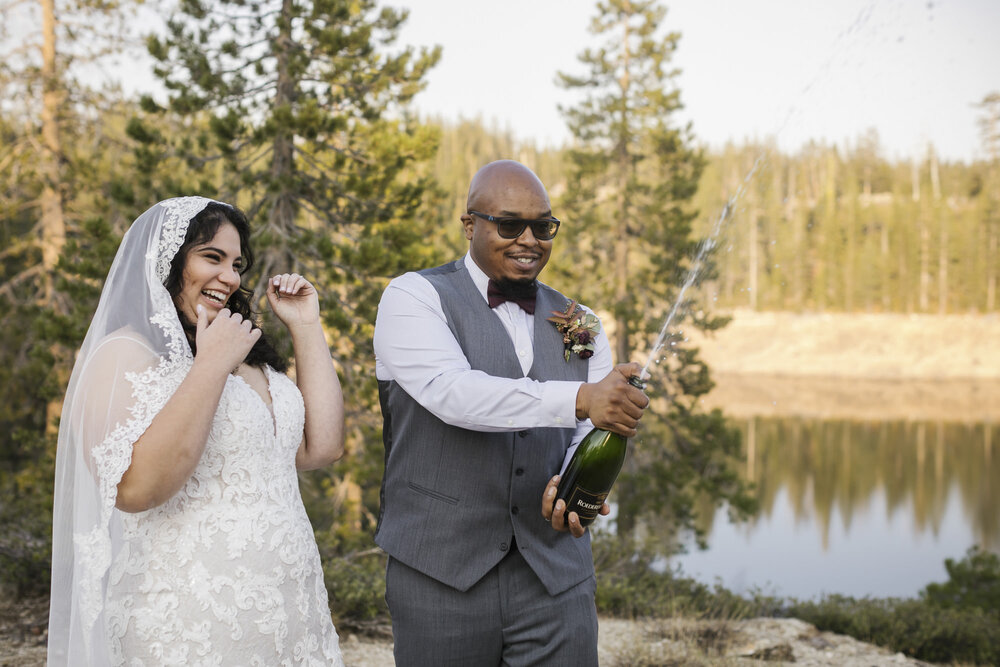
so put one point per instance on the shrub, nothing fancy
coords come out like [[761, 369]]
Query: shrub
[[914, 627], [356, 584], [973, 583], [632, 583], [25, 537]]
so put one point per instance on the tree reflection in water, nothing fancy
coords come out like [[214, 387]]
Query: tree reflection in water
[[896, 489]]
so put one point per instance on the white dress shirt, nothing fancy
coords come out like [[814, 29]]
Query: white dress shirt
[[415, 347]]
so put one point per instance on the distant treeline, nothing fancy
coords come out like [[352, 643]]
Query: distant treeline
[[845, 229], [826, 228]]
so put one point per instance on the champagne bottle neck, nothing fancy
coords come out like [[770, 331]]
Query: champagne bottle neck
[[637, 382]]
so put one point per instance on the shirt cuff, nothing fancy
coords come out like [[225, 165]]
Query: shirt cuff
[[559, 403]]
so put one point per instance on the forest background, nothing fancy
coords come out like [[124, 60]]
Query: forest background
[[301, 114]]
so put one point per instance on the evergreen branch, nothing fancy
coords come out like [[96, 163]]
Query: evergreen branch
[[221, 12], [18, 245], [7, 289]]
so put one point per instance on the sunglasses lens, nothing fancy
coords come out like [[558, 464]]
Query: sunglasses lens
[[510, 229], [544, 231]]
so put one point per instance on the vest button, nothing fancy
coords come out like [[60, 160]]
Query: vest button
[[519, 472], [514, 510], [523, 434], [503, 546]]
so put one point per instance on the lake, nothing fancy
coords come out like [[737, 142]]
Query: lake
[[859, 507]]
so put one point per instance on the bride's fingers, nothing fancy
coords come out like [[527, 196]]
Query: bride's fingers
[[290, 284]]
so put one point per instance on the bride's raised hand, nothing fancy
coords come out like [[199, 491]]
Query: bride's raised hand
[[225, 341], [293, 299]]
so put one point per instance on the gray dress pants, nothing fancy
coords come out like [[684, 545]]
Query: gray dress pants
[[506, 618]]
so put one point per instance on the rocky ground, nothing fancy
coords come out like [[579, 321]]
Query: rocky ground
[[623, 643]]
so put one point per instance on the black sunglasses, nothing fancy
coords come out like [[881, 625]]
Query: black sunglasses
[[543, 229]]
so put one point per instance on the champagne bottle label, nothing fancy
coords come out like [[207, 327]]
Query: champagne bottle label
[[585, 503]]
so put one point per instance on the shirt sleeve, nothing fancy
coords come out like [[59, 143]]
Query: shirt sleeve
[[415, 347]]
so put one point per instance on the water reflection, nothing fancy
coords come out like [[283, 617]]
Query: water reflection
[[860, 508]]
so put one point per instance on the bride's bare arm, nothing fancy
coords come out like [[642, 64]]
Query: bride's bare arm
[[295, 302], [167, 453]]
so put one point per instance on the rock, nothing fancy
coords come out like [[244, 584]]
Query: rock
[[781, 652]]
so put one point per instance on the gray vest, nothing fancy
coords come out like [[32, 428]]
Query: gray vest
[[454, 500]]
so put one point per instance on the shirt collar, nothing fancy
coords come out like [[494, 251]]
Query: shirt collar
[[479, 279]]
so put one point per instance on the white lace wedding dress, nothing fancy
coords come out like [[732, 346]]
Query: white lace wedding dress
[[227, 572]]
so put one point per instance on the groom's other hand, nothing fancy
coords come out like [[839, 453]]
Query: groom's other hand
[[554, 511]]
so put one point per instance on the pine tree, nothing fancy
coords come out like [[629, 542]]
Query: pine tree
[[54, 157], [633, 173], [298, 113]]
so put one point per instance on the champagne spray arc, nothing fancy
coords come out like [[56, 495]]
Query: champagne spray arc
[[598, 459]]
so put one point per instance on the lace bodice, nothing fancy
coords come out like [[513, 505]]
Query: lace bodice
[[227, 572]]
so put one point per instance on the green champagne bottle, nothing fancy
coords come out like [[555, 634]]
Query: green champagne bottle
[[592, 471]]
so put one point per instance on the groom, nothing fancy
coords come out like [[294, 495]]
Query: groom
[[479, 408]]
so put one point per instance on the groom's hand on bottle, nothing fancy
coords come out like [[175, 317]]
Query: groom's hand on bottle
[[554, 511], [612, 403]]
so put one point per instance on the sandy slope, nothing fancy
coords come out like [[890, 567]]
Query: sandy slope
[[857, 366]]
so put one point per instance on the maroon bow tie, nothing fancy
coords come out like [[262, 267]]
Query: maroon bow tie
[[523, 296]]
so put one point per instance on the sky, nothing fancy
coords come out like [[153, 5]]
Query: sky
[[791, 70]]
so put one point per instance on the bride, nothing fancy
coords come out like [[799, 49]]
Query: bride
[[179, 534]]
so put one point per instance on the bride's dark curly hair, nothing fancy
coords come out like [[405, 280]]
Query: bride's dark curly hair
[[202, 229]]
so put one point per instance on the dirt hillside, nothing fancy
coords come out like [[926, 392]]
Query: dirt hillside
[[857, 366]]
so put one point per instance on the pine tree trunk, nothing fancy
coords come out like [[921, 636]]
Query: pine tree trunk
[[850, 222], [52, 223], [923, 300], [885, 268], [622, 328], [991, 271], [753, 259], [282, 211], [792, 209], [943, 242]]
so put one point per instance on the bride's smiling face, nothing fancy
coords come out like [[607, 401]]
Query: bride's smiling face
[[211, 274]]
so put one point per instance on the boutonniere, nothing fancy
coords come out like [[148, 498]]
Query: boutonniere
[[578, 328]]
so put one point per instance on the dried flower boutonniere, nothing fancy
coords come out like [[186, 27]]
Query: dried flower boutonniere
[[578, 328]]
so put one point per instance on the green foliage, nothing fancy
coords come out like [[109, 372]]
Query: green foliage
[[913, 627], [298, 113], [632, 174], [34, 378], [632, 583], [629, 249], [356, 584], [973, 583], [26, 517], [681, 466]]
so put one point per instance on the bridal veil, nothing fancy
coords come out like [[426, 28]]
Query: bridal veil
[[133, 358]]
